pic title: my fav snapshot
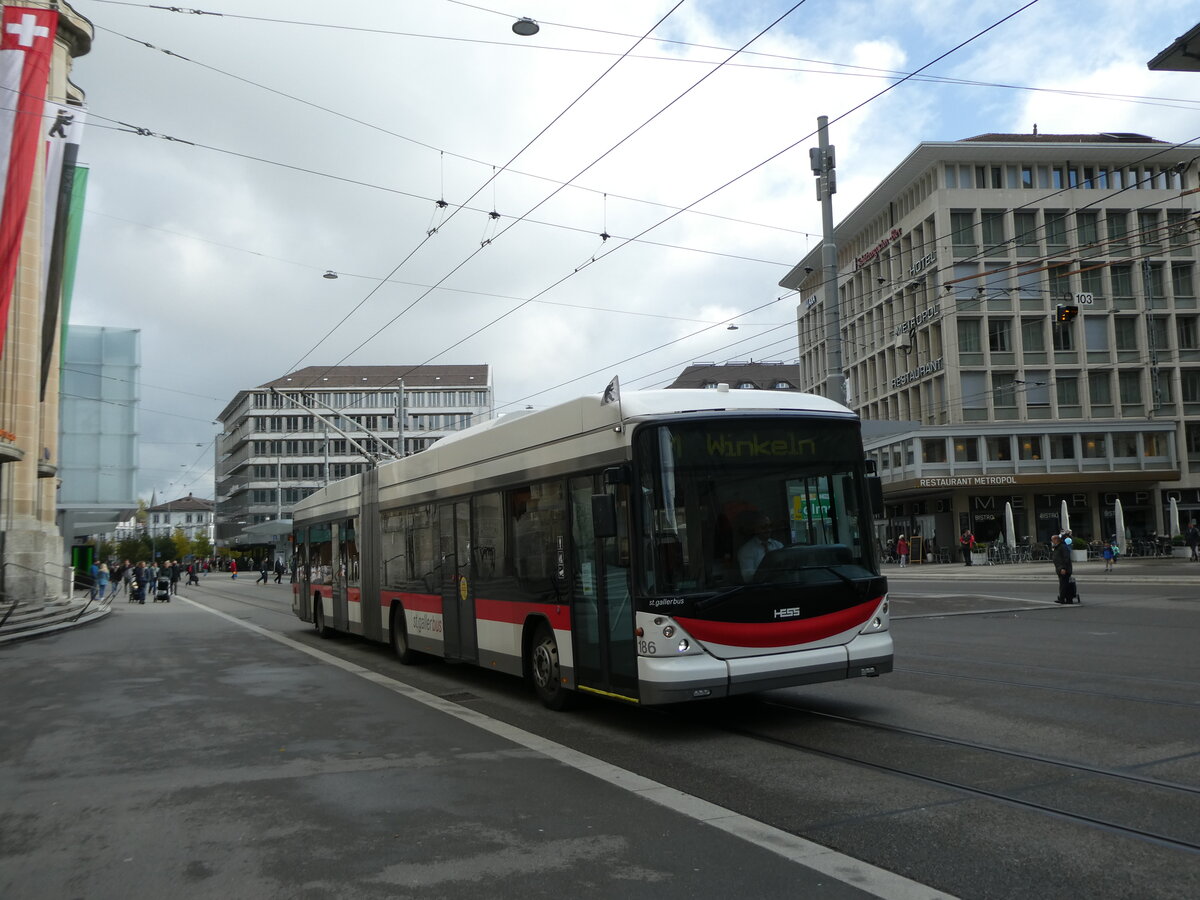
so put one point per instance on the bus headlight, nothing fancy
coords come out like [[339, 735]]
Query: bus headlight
[[684, 646]]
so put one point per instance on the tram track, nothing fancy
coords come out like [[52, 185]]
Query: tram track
[[227, 594], [1057, 688], [1084, 785]]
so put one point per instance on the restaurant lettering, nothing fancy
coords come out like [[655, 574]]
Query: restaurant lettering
[[967, 480], [918, 373]]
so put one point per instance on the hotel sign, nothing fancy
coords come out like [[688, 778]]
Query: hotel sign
[[918, 320], [918, 373], [861, 261], [921, 263]]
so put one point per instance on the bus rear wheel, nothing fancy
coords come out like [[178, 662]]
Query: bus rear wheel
[[322, 629], [546, 672], [399, 633]]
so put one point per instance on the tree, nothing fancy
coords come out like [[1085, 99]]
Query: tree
[[134, 549], [164, 549], [201, 546], [183, 546]]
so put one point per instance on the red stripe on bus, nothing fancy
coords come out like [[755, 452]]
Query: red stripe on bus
[[426, 603], [779, 634], [515, 612]]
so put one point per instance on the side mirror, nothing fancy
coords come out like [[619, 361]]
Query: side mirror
[[875, 492], [604, 515], [614, 475]]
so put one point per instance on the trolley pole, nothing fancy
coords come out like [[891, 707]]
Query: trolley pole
[[822, 160]]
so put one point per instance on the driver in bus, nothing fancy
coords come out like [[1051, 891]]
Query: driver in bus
[[750, 556]]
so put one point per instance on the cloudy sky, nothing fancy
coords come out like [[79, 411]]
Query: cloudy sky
[[288, 138]]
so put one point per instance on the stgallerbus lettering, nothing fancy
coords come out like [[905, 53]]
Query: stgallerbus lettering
[[677, 546]]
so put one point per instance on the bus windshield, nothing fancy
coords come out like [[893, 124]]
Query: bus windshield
[[752, 501]]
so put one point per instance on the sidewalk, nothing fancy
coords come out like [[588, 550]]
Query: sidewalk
[[1139, 569]]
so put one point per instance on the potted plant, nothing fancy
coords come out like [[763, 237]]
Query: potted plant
[[1179, 547], [979, 554]]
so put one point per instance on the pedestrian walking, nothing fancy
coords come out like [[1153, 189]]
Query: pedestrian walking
[[1110, 554], [175, 570], [902, 550], [1193, 540], [279, 570], [233, 569], [127, 577], [1060, 556], [966, 544], [101, 581], [264, 571]]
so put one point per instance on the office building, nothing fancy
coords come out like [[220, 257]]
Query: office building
[[289, 437], [1027, 302]]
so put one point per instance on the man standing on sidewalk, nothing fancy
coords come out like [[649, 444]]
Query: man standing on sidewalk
[[1060, 555]]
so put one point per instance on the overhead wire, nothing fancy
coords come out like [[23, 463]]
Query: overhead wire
[[711, 193]]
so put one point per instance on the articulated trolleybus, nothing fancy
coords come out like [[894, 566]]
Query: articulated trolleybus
[[667, 546]]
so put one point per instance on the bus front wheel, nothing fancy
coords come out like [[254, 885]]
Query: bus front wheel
[[546, 671]]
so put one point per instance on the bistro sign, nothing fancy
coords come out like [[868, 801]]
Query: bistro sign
[[918, 373], [861, 261]]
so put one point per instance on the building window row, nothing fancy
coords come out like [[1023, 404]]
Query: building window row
[[378, 399], [1060, 176]]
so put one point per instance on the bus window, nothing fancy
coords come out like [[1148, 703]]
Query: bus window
[[707, 492], [320, 553], [394, 548], [420, 550], [349, 552], [488, 554], [538, 519]]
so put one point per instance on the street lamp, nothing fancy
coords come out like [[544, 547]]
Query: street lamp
[[525, 27]]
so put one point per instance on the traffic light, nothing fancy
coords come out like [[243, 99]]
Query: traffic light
[[1066, 312]]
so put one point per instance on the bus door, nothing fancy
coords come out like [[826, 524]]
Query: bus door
[[602, 609], [367, 532], [458, 594], [339, 616], [301, 592]]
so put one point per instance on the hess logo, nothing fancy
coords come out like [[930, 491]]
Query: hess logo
[[789, 612]]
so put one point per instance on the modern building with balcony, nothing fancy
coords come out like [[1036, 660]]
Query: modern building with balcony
[[285, 439], [1028, 304]]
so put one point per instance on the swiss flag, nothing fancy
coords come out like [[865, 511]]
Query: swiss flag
[[26, 44]]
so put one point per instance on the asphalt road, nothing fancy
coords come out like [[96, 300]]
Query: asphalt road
[[1020, 749]]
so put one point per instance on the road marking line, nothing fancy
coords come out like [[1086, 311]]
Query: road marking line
[[846, 869]]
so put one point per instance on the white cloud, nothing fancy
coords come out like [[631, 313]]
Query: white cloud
[[242, 300]]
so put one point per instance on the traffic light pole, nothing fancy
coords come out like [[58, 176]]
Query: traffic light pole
[[1148, 290], [822, 161]]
